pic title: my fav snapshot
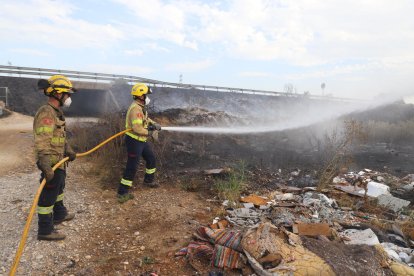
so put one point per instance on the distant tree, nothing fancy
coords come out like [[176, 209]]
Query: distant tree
[[289, 88]]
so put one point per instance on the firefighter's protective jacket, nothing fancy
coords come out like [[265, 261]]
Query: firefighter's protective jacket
[[49, 131], [137, 119]]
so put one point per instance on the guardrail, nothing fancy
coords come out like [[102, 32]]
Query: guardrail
[[104, 77]]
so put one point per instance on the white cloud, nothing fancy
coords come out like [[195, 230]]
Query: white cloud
[[134, 52], [190, 66], [155, 47], [301, 32], [52, 22], [30, 52], [252, 74]]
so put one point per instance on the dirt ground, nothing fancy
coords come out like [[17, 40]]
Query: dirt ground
[[105, 238], [15, 142]]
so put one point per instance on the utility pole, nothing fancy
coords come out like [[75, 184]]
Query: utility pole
[[181, 78], [323, 85]]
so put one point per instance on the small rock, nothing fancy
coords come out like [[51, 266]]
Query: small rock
[[142, 248], [88, 257], [136, 233]]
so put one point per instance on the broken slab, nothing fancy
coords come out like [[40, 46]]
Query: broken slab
[[353, 190], [376, 189], [312, 229], [255, 199], [393, 203], [354, 236]]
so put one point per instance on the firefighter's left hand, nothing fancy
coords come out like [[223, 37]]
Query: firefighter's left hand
[[154, 126], [157, 126], [71, 155]]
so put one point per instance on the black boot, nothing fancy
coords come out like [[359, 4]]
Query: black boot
[[46, 230]]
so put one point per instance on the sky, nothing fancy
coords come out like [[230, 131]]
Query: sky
[[357, 48]]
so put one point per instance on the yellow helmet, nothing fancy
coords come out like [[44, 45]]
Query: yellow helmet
[[140, 89], [59, 84]]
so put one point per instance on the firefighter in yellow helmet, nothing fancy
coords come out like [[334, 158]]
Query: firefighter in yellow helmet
[[136, 142], [50, 147]]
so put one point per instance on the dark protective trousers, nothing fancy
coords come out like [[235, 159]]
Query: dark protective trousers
[[50, 206], [135, 150]]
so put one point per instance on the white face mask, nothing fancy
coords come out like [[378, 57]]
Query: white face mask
[[147, 100], [67, 102]]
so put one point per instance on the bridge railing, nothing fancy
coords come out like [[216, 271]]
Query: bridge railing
[[6, 70]]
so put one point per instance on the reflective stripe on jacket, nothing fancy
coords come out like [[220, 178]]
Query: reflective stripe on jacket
[[137, 119]]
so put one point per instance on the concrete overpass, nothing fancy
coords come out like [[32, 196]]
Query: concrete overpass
[[102, 81]]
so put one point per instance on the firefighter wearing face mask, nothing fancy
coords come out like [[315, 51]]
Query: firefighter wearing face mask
[[50, 147], [136, 142]]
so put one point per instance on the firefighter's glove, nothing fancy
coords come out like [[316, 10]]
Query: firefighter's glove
[[154, 126], [44, 165], [70, 153]]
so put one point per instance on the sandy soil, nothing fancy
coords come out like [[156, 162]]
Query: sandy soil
[[16, 142]]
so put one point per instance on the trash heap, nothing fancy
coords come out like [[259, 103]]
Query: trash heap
[[303, 231]]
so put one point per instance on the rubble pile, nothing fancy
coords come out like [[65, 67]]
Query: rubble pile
[[304, 231]]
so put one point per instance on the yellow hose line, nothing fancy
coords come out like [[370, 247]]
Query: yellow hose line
[[22, 243]]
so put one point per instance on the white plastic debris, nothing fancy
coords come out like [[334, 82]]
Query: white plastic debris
[[248, 205], [404, 257], [398, 253], [284, 197], [355, 236], [392, 254], [375, 189]]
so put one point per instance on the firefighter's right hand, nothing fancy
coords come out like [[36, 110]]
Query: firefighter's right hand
[[44, 165]]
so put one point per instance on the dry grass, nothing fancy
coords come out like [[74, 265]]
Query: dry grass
[[337, 150], [109, 160], [233, 184]]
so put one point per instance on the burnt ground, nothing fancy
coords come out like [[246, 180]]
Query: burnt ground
[[348, 260]]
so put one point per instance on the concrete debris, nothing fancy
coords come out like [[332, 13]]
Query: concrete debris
[[393, 203], [354, 236], [318, 199], [316, 217], [244, 217]]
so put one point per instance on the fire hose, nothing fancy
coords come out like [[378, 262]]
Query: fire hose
[[23, 239]]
